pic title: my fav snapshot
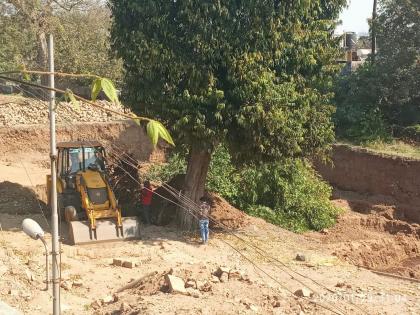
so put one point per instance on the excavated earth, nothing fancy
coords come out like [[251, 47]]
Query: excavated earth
[[366, 264]]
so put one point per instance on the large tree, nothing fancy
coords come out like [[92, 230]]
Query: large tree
[[255, 75], [383, 97], [398, 60]]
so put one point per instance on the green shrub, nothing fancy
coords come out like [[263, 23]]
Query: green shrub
[[358, 116], [164, 172], [288, 194], [296, 197], [412, 133], [222, 176]]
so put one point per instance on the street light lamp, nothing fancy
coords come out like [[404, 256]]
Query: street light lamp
[[33, 230]]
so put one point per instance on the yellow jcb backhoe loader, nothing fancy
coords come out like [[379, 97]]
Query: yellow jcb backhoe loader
[[85, 198]]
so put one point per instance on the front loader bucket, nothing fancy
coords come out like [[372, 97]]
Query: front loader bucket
[[106, 230]]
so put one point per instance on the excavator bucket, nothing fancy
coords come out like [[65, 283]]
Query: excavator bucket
[[106, 230]]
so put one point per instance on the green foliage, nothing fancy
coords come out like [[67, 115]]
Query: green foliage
[[96, 88], [80, 33], [17, 43], [69, 97], [164, 172], [82, 43], [289, 194], [383, 97], [358, 116], [106, 85], [155, 130], [223, 177], [254, 75]]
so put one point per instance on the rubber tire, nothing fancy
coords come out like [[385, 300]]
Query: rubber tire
[[70, 214]]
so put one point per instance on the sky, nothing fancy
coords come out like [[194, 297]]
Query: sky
[[355, 17]]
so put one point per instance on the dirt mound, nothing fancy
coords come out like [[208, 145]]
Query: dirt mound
[[164, 205], [198, 285], [228, 216], [373, 238], [17, 199]]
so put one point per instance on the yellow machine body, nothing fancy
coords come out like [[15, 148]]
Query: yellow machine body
[[86, 199]]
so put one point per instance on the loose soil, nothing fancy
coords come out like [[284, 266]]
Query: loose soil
[[372, 232]]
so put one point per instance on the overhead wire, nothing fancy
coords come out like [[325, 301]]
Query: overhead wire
[[190, 203], [178, 194], [248, 259], [193, 205]]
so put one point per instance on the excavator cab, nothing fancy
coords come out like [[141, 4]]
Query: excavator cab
[[85, 198]]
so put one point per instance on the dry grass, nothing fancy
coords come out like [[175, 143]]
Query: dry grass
[[395, 147]]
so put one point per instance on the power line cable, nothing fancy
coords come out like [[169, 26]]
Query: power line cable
[[192, 203]]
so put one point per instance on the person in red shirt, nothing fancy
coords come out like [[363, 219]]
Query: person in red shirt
[[146, 200]]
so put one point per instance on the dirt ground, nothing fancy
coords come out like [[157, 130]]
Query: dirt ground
[[89, 275], [371, 233]]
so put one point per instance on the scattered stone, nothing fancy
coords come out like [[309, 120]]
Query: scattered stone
[[124, 307], [235, 274], [300, 257], [193, 292], [66, 285], [221, 270], [199, 284], [175, 284], [275, 301], [117, 262], [224, 277], [214, 279], [204, 287], [245, 302], [360, 295], [3, 270], [253, 308], [128, 264], [245, 278], [325, 231], [77, 283], [26, 296], [108, 299], [13, 292], [304, 292], [96, 304], [29, 275], [191, 284]]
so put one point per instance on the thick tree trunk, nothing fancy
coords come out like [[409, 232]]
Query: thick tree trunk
[[195, 181]]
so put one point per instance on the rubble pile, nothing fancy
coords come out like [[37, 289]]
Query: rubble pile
[[183, 282], [18, 110]]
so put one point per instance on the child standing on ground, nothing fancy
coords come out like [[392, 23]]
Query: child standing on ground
[[146, 200], [204, 220]]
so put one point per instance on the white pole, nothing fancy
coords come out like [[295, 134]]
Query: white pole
[[53, 155]]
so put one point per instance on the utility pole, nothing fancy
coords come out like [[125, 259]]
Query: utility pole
[[53, 193], [373, 39]]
